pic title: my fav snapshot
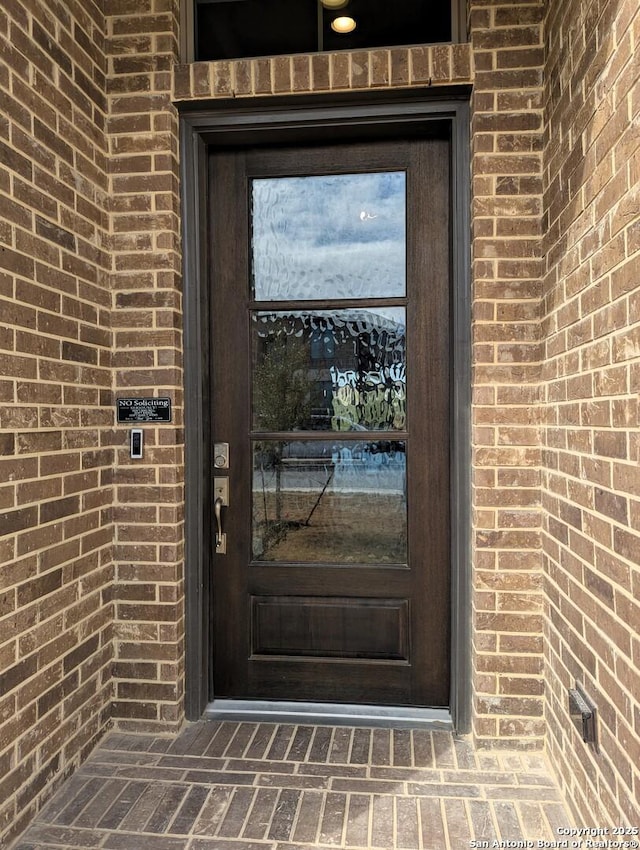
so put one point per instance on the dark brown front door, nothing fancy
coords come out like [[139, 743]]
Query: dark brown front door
[[330, 292]]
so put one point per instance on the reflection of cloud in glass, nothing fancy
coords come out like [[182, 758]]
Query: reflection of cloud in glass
[[310, 239]]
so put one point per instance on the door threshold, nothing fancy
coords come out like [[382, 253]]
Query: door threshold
[[330, 714]]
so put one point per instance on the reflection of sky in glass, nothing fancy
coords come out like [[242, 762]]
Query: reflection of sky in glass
[[334, 236]]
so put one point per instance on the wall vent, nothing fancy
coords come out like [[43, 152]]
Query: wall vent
[[584, 714]]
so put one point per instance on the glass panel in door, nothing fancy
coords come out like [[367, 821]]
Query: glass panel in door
[[329, 370], [338, 369], [329, 236], [333, 502]]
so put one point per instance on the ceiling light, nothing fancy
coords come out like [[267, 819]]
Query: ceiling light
[[343, 24], [334, 4]]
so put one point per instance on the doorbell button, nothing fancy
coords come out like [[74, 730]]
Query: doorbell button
[[136, 443]]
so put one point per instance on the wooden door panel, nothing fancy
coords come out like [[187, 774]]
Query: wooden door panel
[[330, 626], [378, 581], [323, 680]]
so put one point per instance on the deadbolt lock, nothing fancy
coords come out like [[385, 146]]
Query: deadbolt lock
[[221, 455]]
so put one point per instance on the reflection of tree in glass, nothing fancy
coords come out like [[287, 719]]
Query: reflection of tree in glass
[[280, 387], [281, 402]]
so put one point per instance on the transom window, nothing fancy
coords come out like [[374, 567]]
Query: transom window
[[233, 29]]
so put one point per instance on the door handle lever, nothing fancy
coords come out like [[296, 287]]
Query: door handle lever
[[221, 538], [221, 494]]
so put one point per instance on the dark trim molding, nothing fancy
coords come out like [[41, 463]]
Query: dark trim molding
[[197, 451], [461, 694], [459, 23], [295, 119], [187, 31]]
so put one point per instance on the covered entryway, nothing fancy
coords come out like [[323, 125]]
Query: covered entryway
[[284, 787], [327, 317]]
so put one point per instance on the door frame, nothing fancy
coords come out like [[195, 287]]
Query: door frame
[[291, 119]]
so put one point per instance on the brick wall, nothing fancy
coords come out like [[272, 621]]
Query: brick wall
[[142, 49], [56, 420], [507, 140], [591, 485], [91, 298]]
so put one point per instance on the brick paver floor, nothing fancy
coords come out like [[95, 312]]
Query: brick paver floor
[[260, 786]]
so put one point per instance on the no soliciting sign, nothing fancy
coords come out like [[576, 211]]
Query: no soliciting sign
[[143, 409]]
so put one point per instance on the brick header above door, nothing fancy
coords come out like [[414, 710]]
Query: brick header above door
[[436, 65]]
